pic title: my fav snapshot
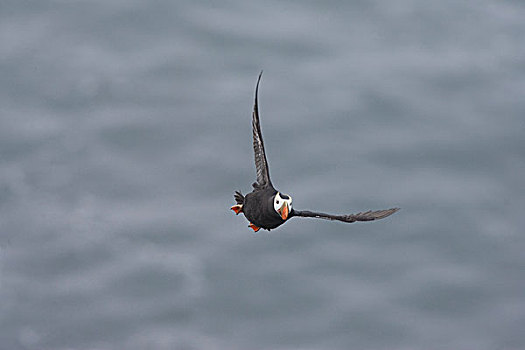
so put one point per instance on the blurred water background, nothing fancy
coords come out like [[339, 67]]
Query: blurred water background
[[125, 128]]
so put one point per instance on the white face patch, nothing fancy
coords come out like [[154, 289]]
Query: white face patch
[[278, 202]]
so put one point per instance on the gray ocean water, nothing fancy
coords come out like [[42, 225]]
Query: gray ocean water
[[125, 127]]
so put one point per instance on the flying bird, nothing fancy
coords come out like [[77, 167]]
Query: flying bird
[[267, 208]]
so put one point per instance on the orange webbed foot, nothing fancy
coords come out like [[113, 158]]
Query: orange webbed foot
[[237, 208], [253, 227]]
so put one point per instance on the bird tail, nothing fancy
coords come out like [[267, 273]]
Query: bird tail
[[239, 198]]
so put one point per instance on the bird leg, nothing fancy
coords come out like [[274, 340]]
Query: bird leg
[[253, 227], [237, 208]]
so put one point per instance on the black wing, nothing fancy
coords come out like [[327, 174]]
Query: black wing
[[261, 164], [365, 216]]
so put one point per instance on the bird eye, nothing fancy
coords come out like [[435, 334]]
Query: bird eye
[[277, 202]]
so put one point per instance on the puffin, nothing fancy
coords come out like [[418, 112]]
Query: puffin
[[266, 207]]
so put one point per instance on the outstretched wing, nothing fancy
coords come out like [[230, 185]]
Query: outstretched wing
[[365, 216], [261, 164]]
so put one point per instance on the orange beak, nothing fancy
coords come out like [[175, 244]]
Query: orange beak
[[284, 211]]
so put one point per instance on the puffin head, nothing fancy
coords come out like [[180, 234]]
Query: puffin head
[[282, 203]]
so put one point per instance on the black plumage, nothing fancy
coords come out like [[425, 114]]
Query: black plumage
[[267, 208]]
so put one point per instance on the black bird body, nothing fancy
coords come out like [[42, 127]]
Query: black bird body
[[267, 208], [258, 209]]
